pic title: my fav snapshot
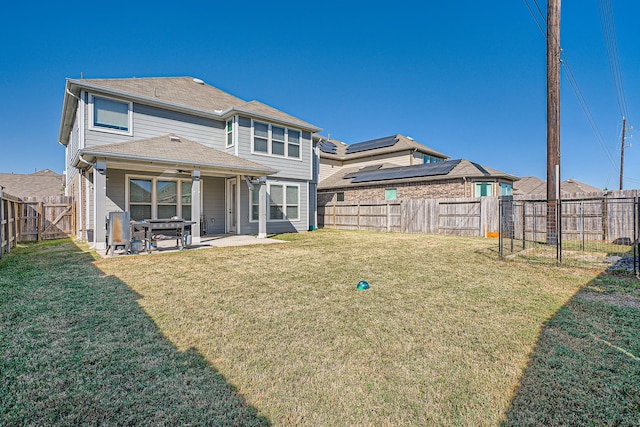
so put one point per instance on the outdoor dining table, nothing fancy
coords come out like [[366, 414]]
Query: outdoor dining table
[[153, 227]]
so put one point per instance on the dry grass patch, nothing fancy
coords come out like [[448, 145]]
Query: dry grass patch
[[441, 337]]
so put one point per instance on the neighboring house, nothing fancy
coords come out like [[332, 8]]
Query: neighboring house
[[397, 167], [38, 184], [530, 185], [163, 147], [396, 149]]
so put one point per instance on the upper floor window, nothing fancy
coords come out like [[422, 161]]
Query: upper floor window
[[111, 115], [229, 133], [430, 159], [506, 189], [276, 140], [260, 137]]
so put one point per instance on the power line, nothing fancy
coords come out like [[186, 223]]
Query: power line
[[540, 25], [609, 32], [540, 21], [585, 109]]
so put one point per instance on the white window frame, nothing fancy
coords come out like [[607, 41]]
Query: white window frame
[[285, 203], [93, 126], [228, 132], [154, 196], [270, 141]]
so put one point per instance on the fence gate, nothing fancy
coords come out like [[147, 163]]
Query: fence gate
[[48, 218]]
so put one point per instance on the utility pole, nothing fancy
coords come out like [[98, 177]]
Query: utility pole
[[624, 126], [553, 119]]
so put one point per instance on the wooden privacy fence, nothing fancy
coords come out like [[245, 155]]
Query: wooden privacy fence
[[9, 222], [460, 216], [31, 219]]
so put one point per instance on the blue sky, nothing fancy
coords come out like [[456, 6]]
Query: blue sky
[[466, 78]]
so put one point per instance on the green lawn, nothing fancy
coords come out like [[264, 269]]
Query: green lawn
[[446, 335]]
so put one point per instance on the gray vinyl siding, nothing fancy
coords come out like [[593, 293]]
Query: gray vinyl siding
[[287, 167], [115, 191], [150, 122], [72, 149], [213, 204], [248, 227]]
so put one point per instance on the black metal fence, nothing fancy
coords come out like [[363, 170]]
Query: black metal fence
[[598, 231]]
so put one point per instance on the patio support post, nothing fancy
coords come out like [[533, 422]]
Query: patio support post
[[100, 214], [237, 207], [262, 210], [195, 206]]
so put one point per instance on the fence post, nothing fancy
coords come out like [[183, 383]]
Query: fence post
[[358, 213], [10, 227], [388, 218], [1, 223], [40, 220], [335, 208]]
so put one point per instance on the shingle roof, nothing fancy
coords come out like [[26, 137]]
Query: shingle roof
[[573, 186], [186, 93], [385, 145], [392, 174], [38, 184], [173, 149], [530, 185]]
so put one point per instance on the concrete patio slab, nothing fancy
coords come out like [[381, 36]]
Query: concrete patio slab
[[211, 241]]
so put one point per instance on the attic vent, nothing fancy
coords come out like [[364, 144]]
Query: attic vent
[[175, 138], [410, 138], [199, 81]]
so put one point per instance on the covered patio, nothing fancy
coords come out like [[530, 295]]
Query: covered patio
[[126, 176]]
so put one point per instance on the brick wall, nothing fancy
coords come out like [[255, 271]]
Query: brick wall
[[415, 190]]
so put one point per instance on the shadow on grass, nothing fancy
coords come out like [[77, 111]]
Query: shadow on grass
[[585, 369], [76, 349]]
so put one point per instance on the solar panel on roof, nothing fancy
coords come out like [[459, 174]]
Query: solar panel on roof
[[360, 171], [372, 145], [328, 147], [429, 169]]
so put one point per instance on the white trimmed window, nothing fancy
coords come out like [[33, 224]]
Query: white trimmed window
[[276, 140], [293, 143], [260, 137], [229, 133], [159, 198], [110, 115], [140, 198], [283, 202]]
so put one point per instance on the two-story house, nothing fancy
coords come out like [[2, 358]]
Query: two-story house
[[397, 167], [164, 147]]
